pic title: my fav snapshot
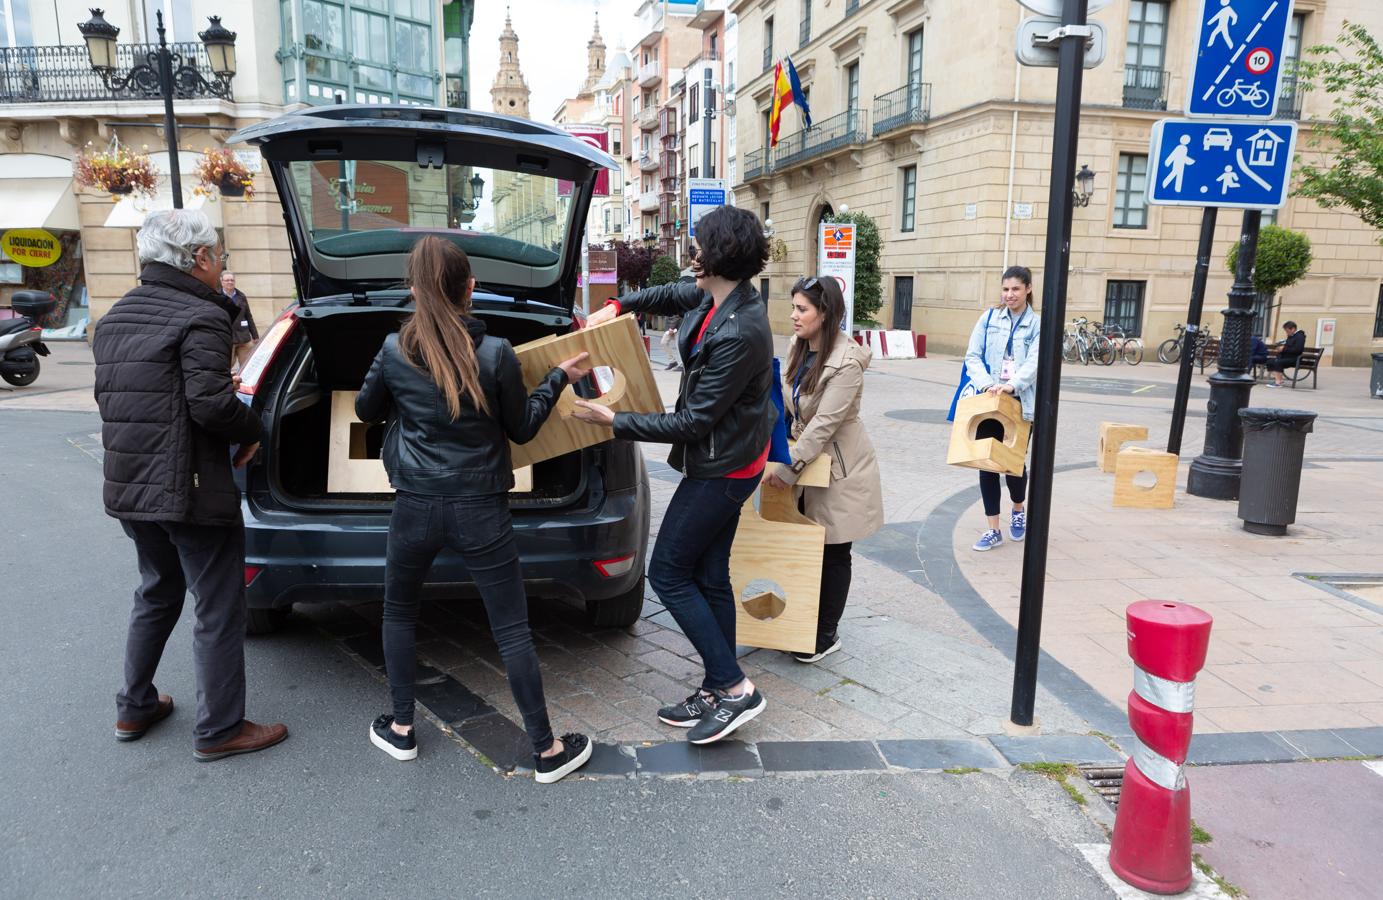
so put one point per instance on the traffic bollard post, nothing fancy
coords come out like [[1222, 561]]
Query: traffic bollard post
[[1151, 847]]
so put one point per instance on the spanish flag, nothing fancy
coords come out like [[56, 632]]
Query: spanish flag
[[787, 89]]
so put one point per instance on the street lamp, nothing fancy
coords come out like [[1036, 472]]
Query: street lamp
[[768, 228], [1086, 179], [163, 74], [477, 191]]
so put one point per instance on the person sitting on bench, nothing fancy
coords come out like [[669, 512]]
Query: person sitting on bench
[[1289, 353]]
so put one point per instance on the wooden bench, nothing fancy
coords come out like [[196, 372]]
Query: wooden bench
[[1306, 365], [1206, 353]]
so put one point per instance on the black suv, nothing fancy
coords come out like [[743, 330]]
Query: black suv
[[359, 184]]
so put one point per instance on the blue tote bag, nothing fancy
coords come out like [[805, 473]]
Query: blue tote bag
[[966, 388]]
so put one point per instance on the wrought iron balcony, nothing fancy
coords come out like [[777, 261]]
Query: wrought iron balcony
[[1145, 88], [1289, 98], [910, 104], [756, 164], [826, 136], [63, 74], [459, 99]]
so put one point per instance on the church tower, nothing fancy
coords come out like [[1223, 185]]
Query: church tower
[[595, 60], [510, 92]]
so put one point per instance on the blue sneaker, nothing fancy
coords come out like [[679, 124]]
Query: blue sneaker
[[1018, 525], [988, 541]]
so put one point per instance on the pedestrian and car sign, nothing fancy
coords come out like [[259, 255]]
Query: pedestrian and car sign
[[1237, 67], [1235, 164]]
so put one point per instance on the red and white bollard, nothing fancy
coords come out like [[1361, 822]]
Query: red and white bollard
[[1151, 848]]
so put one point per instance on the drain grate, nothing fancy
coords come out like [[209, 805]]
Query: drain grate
[[1106, 780]]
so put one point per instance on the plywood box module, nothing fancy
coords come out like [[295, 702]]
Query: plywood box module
[[1133, 461], [1113, 435], [775, 566], [1005, 456]]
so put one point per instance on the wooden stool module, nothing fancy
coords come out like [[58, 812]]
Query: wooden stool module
[[1112, 437], [1133, 461], [990, 454], [775, 566]]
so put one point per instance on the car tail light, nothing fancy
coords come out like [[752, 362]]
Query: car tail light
[[266, 352], [613, 568], [251, 573]]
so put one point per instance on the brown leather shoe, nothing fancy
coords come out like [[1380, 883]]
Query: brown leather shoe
[[252, 737], [133, 731]]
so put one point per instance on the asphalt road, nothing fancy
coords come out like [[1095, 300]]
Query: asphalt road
[[326, 814]]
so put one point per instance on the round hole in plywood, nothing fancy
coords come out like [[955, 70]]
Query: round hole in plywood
[[1145, 480], [764, 599]]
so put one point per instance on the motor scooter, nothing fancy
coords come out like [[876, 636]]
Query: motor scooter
[[20, 344]]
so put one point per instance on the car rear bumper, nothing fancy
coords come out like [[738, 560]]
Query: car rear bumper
[[318, 557]]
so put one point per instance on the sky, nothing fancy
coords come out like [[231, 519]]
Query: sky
[[552, 45]]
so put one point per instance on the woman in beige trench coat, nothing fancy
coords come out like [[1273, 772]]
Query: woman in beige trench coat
[[821, 389]]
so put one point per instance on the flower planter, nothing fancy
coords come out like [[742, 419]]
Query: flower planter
[[230, 188]]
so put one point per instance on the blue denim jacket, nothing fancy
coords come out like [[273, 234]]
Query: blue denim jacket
[[989, 349]]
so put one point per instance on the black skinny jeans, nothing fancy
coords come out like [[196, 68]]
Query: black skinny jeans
[[835, 590], [480, 529], [989, 481]]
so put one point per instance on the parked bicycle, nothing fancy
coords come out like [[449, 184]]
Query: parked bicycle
[[1169, 351], [1085, 341], [1129, 349]]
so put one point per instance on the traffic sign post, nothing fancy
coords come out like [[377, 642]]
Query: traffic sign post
[[703, 195], [1237, 68], [1245, 165]]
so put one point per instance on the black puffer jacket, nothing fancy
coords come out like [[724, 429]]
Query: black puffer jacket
[[725, 413], [169, 414], [426, 451]]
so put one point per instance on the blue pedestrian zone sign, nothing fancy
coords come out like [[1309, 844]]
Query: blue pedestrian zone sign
[[1237, 67], [1236, 164]]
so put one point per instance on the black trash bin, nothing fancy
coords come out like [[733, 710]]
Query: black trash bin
[[1274, 443], [1376, 383]]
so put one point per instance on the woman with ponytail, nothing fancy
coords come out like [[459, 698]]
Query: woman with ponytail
[[454, 397]]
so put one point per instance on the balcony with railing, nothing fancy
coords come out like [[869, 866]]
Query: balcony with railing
[[650, 74], [756, 164], [1145, 88], [1289, 98], [648, 118], [648, 162], [910, 104], [707, 11], [826, 137], [63, 74]]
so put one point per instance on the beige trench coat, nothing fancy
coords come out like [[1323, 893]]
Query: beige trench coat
[[828, 421]]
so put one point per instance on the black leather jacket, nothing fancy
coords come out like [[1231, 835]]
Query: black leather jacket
[[724, 414], [428, 452]]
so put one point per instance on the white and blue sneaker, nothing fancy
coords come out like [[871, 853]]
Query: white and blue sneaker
[[1018, 525], [988, 541]]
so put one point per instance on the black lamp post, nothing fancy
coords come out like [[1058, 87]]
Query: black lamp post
[[164, 74], [1085, 178]]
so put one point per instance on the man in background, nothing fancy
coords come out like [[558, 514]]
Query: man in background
[[243, 331]]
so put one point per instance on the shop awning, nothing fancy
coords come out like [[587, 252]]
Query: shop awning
[[130, 211], [36, 192]]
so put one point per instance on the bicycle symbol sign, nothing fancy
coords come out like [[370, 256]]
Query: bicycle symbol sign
[[1237, 67]]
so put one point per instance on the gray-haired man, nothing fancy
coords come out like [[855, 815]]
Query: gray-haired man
[[169, 419]]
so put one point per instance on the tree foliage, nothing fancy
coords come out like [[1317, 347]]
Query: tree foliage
[[1351, 72], [664, 271], [635, 262], [1284, 256], [869, 298]]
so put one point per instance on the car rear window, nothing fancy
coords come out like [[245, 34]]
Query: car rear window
[[365, 207]]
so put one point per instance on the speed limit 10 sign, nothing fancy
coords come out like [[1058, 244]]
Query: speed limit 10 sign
[[1259, 60]]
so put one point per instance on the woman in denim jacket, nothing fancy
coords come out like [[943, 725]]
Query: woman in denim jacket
[[1003, 357]]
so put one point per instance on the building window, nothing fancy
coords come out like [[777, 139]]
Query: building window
[[714, 43], [16, 24], [909, 199], [1289, 99], [607, 220], [1145, 55], [1123, 306], [804, 31], [617, 141], [369, 51], [902, 303], [763, 289], [915, 57], [693, 104], [1130, 201], [768, 43], [694, 172], [763, 212], [852, 86], [1378, 315]]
